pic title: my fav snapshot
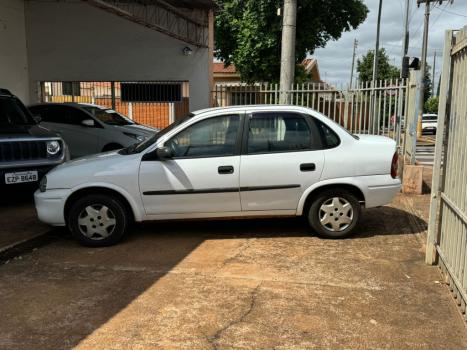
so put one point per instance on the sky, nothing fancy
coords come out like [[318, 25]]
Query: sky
[[335, 60]]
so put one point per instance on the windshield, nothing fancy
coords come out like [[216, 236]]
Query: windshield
[[429, 117], [13, 112], [139, 147], [108, 116]]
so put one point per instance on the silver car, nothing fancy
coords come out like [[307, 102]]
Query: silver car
[[89, 128]]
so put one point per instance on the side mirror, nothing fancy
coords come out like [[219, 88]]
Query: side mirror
[[88, 122], [37, 118], [164, 153]]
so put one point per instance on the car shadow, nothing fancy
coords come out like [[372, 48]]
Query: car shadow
[[379, 221], [96, 284]]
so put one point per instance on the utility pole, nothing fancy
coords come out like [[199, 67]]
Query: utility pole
[[433, 74], [355, 44], [289, 26], [375, 57], [405, 45], [375, 71], [421, 100]]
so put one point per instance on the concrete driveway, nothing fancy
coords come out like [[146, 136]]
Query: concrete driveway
[[256, 284]]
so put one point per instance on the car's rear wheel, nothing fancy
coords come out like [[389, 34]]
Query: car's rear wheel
[[97, 220], [334, 213]]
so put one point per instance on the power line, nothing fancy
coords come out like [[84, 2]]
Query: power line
[[439, 14], [451, 13]]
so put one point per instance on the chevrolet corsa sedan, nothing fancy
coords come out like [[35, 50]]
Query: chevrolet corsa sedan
[[239, 161]]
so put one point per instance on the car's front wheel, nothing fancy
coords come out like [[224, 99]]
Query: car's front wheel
[[97, 220], [334, 213]]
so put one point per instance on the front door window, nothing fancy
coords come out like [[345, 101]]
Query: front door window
[[213, 137]]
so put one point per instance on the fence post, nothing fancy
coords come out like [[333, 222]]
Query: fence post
[[346, 106], [130, 110], [436, 186], [171, 112], [112, 93]]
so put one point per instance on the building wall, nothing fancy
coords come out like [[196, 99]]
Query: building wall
[[76, 41], [13, 54]]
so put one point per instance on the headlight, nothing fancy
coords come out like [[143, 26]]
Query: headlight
[[43, 184], [53, 147]]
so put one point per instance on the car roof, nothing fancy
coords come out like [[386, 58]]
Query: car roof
[[279, 107], [5, 92], [91, 105], [73, 104]]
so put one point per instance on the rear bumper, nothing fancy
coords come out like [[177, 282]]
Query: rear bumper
[[382, 193], [50, 206]]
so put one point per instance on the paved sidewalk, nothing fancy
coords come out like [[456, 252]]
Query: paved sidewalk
[[18, 219], [255, 284]]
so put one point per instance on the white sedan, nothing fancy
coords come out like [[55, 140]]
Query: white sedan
[[244, 161]]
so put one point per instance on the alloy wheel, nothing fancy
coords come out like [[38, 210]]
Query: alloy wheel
[[336, 214], [96, 221]]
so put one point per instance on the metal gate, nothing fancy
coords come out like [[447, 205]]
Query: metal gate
[[154, 103], [447, 228], [362, 109]]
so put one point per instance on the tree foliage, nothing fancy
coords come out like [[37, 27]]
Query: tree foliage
[[385, 69], [431, 105], [248, 32]]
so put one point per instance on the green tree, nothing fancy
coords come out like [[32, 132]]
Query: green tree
[[385, 69], [431, 105], [248, 32], [428, 85]]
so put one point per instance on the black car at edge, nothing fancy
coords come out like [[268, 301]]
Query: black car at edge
[[27, 150]]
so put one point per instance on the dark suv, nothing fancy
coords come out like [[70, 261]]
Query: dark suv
[[27, 150]]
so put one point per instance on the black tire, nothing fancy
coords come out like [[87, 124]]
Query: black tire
[[103, 233], [315, 214]]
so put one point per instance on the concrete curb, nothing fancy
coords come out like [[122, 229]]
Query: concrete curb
[[27, 245]]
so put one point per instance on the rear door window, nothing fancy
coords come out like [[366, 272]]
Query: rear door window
[[279, 132]]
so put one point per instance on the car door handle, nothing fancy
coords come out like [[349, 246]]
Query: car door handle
[[307, 167], [225, 169]]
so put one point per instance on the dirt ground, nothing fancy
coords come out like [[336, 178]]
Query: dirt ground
[[255, 284]]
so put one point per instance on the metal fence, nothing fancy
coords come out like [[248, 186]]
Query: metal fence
[[447, 228], [154, 103], [363, 109]]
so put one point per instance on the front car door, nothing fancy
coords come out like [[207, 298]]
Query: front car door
[[281, 157], [202, 176]]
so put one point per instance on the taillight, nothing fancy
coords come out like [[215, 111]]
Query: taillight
[[394, 163]]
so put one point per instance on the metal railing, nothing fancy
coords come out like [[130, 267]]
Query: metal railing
[[162, 17], [153, 103], [447, 228], [363, 109]]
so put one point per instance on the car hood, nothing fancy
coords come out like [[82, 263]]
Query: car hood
[[28, 131], [138, 129], [108, 167]]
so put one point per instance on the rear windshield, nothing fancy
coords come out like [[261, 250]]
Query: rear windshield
[[13, 112], [108, 116], [430, 118]]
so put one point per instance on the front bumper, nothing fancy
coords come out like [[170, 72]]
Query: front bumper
[[50, 206], [41, 171]]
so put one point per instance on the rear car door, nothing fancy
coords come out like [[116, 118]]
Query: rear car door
[[202, 176], [67, 120], [281, 157]]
